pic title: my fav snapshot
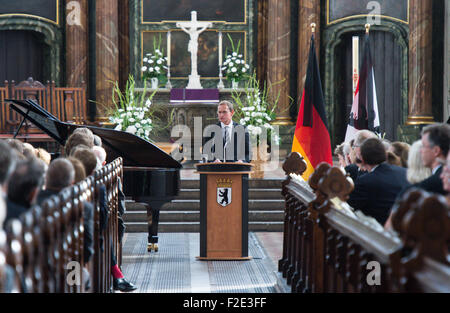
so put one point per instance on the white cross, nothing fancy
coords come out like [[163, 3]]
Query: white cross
[[193, 28]]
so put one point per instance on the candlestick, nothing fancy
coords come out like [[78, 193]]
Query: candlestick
[[168, 48], [220, 49]]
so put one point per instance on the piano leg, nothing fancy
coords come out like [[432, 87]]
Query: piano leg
[[153, 221]]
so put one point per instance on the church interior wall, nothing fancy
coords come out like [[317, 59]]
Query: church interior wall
[[136, 38]]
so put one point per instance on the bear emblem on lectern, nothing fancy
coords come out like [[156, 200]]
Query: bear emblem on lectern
[[224, 191]]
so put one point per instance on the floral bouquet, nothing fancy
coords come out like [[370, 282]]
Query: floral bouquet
[[234, 65], [154, 63], [257, 114], [133, 113]]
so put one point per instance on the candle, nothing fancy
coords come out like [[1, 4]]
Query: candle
[[220, 48], [168, 48]]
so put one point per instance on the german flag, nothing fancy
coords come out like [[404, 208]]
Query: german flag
[[312, 139]]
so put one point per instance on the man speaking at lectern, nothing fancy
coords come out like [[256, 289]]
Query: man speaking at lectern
[[231, 141]]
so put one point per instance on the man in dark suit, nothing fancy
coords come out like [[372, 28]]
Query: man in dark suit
[[376, 191], [231, 141], [24, 186], [435, 145]]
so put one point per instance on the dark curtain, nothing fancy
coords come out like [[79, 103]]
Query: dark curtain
[[21, 56]]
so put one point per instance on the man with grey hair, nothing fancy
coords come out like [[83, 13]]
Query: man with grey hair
[[356, 170], [434, 150], [232, 140]]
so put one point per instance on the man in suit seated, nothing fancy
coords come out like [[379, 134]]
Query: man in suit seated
[[24, 186], [232, 142], [355, 169], [376, 191], [435, 145]]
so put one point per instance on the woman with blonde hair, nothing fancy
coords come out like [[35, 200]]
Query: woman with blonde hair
[[416, 171]]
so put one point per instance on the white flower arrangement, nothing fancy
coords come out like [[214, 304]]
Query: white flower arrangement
[[234, 65], [134, 121], [255, 113], [133, 113], [154, 64]]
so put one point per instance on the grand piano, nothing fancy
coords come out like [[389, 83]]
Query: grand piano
[[150, 175]]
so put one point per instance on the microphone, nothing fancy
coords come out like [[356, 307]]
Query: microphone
[[225, 151]]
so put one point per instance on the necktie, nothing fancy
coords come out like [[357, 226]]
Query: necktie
[[226, 138]]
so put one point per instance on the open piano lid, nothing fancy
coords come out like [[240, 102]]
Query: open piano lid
[[134, 150]]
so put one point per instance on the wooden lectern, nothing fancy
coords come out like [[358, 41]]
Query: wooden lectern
[[224, 210]]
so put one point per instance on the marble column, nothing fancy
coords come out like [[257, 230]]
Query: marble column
[[262, 41], [278, 65], [77, 43], [309, 12], [420, 69], [107, 53]]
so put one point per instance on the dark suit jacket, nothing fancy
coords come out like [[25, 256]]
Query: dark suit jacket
[[375, 192], [354, 171], [234, 140], [14, 210], [432, 183]]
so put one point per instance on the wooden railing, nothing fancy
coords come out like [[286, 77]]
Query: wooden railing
[[329, 248], [45, 246], [66, 103]]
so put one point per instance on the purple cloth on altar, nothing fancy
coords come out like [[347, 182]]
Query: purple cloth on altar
[[194, 95]]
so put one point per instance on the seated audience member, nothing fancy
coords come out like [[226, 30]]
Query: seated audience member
[[416, 171], [435, 145], [78, 139], [43, 155], [60, 174], [16, 144], [7, 165], [28, 150], [347, 149], [87, 157], [393, 159], [339, 151], [80, 172], [400, 149], [85, 131], [24, 186], [97, 141], [376, 191], [100, 153], [355, 170]]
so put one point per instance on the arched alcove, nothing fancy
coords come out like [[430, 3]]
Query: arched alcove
[[388, 42], [41, 37]]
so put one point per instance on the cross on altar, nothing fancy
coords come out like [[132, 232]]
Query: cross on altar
[[193, 28]]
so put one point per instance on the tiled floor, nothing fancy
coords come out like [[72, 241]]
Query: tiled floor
[[175, 269]]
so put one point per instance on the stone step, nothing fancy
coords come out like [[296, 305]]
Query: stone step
[[194, 216], [253, 183], [194, 227], [194, 205], [253, 193]]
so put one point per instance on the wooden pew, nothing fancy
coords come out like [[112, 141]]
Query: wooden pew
[[107, 176], [331, 249], [46, 244]]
